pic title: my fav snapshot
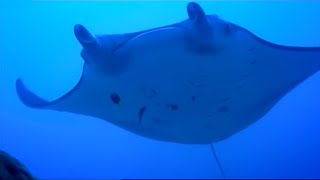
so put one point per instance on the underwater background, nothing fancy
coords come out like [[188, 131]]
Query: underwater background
[[37, 44]]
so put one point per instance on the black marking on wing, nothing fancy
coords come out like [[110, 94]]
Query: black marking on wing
[[141, 113], [115, 98]]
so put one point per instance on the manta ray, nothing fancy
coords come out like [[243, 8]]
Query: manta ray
[[198, 81]]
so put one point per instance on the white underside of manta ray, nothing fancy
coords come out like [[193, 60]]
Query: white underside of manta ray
[[198, 81]]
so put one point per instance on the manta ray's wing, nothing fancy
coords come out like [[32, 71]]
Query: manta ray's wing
[[76, 100], [85, 97]]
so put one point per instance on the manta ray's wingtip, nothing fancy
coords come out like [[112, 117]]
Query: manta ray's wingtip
[[27, 97]]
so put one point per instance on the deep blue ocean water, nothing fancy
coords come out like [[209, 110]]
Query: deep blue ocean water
[[37, 43]]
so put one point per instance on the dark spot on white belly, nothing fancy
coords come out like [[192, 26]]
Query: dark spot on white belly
[[141, 113], [115, 98]]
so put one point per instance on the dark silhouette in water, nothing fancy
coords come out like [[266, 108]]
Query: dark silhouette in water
[[13, 169]]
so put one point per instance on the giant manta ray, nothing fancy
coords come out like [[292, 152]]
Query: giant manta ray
[[198, 81]]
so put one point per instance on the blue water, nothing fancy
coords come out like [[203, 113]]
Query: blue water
[[37, 43]]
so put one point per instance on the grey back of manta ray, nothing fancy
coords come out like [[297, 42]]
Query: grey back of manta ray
[[198, 81]]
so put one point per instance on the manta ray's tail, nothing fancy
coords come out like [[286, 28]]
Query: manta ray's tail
[[28, 98], [218, 162]]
